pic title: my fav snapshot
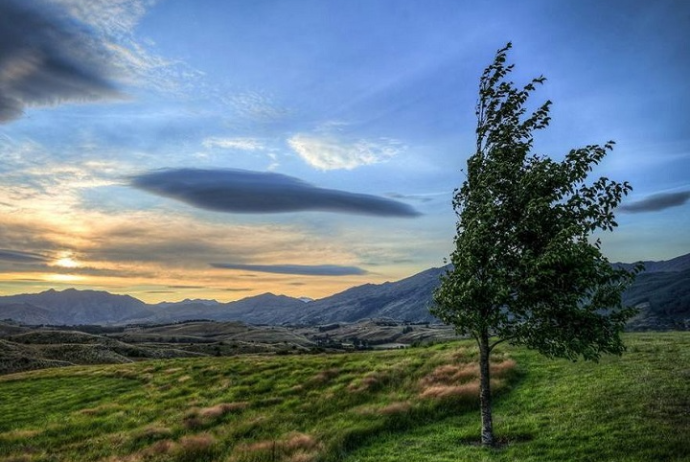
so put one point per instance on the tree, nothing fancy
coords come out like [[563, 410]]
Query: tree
[[525, 269]]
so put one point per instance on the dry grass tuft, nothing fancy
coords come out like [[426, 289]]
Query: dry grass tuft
[[220, 410], [371, 381], [325, 376], [21, 434], [299, 441], [294, 447], [100, 410], [400, 407], [450, 375], [196, 447], [500, 369], [260, 450], [153, 432], [196, 442], [461, 381], [304, 457], [457, 392], [160, 448], [260, 446]]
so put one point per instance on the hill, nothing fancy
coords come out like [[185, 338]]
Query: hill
[[417, 404]]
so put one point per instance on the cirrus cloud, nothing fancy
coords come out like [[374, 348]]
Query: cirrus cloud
[[242, 191], [302, 270], [326, 152], [243, 144], [18, 256]]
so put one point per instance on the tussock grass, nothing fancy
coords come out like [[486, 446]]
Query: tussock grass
[[634, 408], [417, 404], [305, 408]]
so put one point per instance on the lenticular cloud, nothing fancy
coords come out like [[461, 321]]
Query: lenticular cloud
[[242, 191]]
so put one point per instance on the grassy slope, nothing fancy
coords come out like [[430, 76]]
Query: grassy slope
[[384, 406], [632, 408], [301, 408]]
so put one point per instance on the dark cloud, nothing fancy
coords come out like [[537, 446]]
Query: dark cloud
[[304, 270], [238, 290], [411, 197], [242, 191], [47, 59], [187, 287], [657, 202], [21, 257]]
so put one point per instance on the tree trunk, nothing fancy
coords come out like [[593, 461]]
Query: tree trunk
[[485, 390]]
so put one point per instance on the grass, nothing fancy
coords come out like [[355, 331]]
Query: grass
[[297, 408], [414, 405], [630, 408]]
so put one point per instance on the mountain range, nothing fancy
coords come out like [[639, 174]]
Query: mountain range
[[661, 292]]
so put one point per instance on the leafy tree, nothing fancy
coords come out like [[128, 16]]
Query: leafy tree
[[525, 269]]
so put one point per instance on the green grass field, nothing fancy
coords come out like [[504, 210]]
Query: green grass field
[[408, 405]]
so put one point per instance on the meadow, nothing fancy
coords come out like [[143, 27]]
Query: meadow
[[416, 404]]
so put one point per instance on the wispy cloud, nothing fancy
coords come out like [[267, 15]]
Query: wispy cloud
[[241, 191], [657, 202], [256, 106], [18, 256], [45, 60], [116, 18], [243, 144], [329, 152], [302, 270]]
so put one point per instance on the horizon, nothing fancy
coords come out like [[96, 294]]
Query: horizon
[[296, 297], [169, 150]]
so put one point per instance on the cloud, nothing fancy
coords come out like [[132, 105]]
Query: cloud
[[327, 152], [417, 197], [303, 270], [256, 106], [113, 17], [241, 191], [46, 59], [657, 202], [17, 256], [244, 144]]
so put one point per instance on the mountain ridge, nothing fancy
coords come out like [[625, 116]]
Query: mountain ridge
[[661, 292]]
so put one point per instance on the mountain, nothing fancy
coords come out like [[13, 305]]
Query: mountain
[[73, 306], [681, 263], [663, 299], [662, 293], [406, 300], [261, 309], [26, 314]]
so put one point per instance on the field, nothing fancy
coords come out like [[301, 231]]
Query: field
[[417, 404]]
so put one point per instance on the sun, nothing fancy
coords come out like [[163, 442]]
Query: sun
[[66, 261]]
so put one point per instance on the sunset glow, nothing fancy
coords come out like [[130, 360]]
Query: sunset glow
[[226, 149]]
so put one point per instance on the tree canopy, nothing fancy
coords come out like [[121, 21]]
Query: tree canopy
[[526, 269]]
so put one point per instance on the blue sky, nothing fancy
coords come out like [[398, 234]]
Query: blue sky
[[173, 149]]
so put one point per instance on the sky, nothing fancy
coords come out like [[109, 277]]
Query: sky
[[173, 149]]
